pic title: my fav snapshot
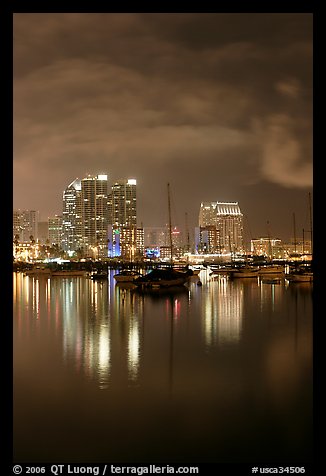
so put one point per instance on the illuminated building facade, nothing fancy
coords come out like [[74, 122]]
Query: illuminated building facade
[[25, 224], [122, 203], [159, 238], [156, 236], [132, 242], [94, 207], [208, 239], [72, 217], [126, 242], [268, 247], [227, 219], [55, 230]]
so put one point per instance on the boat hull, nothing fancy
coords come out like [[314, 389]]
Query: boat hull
[[300, 278], [125, 278], [68, 274], [271, 270]]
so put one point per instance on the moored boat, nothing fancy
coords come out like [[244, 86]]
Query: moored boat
[[306, 277], [126, 276], [300, 274], [162, 278], [271, 269], [99, 276], [38, 272], [244, 272], [65, 273]]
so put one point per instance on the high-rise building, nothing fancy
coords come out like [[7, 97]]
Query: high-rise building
[[122, 203], [126, 239], [55, 230], [94, 201], [72, 217], [227, 219], [25, 224]]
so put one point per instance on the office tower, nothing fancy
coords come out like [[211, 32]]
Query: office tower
[[94, 200], [25, 224], [123, 203], [72, 217], [55, 230], [227, 219]]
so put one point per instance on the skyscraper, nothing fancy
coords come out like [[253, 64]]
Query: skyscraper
[[126, 239], [123, 203], [227, 219], [72, 217], [94, 200]]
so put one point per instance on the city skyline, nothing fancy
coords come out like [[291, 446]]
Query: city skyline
[[218, 105]]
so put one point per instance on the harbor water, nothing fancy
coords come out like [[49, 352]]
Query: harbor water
[[216, 373]]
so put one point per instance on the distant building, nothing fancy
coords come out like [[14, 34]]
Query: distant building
[[156, 236], [227, 219], [55, 230], [274, 248], [268, 247], [208, 239], [126, 242], [25, 225], [159, 238]]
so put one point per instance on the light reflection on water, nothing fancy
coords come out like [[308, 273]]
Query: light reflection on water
[[205, 350]]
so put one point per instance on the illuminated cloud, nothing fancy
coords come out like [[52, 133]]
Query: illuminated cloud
[[283, 161], [289, 87]]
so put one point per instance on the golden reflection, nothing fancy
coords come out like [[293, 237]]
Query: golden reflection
[[36, 297], [104, 356], [223, 311], [270, 295], [133, 349], [26, 282]]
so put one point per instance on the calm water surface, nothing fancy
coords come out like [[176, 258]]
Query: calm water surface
[[217, 373]]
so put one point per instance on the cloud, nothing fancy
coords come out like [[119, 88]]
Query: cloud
[[282, 154], [289, 87]]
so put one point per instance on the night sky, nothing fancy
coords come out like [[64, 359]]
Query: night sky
[[218, 105]]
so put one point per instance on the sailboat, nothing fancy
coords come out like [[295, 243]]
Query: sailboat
[[270, 269], [164, 278], [303, 273]]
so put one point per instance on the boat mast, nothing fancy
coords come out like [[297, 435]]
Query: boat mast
[[270, 250], [170, 225], [310, 216], [187, 232], [294, 237]]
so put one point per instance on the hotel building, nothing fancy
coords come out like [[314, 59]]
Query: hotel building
[[220, 228]]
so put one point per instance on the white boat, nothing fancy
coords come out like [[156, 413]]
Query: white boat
[[126, 276]]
